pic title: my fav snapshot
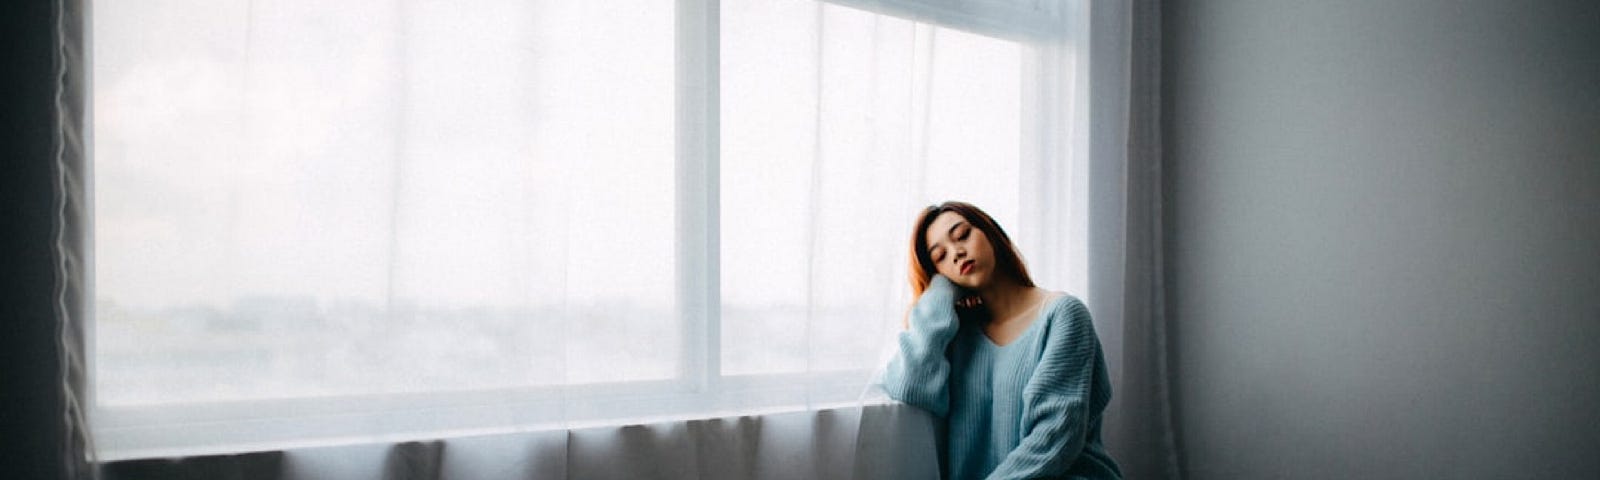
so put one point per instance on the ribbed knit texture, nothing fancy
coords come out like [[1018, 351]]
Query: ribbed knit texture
[[1029, 409]]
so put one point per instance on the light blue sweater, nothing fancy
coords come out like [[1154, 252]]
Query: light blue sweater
[[1029, 409]]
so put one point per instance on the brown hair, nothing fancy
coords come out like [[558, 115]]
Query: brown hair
[[1007, 260]]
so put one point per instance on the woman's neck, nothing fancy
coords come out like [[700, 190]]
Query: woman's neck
[[1006, 298]]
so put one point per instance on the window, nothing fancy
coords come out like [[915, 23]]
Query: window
[[340, 221], [820, 184]]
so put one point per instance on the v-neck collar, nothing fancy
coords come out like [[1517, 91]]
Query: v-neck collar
[[1037, 319]]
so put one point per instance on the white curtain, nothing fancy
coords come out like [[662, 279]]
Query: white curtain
[[374, 221], [301, 198], [838, 125], [368, 210]]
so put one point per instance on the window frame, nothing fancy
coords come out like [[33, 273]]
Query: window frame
[[127, 432]]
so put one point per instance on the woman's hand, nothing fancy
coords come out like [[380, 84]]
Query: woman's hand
[[970, 307]]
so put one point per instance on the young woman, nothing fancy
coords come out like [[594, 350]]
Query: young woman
[[1013, 370]]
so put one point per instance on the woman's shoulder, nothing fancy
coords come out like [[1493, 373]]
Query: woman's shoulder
[[1065, 308], [1056, 300]]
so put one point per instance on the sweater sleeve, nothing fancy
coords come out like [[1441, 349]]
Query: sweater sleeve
[[1055, 405], [919, 371]]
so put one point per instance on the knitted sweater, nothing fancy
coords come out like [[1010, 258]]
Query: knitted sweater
[[1029, 409]]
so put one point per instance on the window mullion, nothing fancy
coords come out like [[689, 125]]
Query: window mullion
[[698, 143]]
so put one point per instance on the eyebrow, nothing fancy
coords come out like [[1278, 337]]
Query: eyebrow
[[952, 232]]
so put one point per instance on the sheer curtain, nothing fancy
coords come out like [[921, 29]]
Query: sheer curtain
[[320, 223], [838, 125], [310, 198], [291, 225], [320, 208]]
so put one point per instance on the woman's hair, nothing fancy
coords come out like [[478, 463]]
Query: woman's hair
[[1007, 260]]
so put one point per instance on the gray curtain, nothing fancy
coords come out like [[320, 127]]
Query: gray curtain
[[1126, 234], [71, 242], [33, 419]]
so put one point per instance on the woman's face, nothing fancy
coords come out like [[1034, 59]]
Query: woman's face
[[960, 251]]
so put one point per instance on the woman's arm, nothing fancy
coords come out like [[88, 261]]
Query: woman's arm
[[918, 373], [1056, 400]]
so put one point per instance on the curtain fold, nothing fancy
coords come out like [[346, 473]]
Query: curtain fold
[[73, 240], [1127, 238], [867, 443]]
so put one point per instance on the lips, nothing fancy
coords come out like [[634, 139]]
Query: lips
[[966, 267]]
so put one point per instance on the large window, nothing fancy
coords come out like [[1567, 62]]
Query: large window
[[321, 220]]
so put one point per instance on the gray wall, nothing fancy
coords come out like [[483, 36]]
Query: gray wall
[[1383, 237]]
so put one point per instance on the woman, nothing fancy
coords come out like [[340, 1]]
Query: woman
[[1014, 371]]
